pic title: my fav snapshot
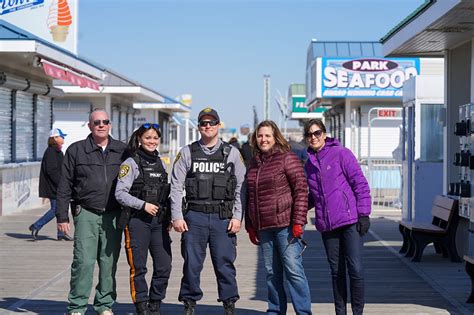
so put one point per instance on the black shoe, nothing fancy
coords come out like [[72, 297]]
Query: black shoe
[[65, 237], [154, 307], [189, 307], [142, 308], [229, 308], [34, 232]]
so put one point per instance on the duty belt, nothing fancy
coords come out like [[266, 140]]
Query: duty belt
[[215, 208]]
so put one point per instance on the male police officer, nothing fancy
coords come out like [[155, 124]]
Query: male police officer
[[89, 176], [212, 173]]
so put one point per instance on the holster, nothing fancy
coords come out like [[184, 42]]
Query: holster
[[124, 218], [225, 211]]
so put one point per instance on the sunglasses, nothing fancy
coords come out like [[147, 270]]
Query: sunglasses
[[204, 123], [103, 121], [149, 125], [316, 134], [303, 242]]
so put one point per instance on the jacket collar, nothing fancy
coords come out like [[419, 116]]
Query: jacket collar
[[330, 142], [91, 146]]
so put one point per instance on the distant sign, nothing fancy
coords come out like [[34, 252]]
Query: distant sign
[[389, 113], [297, 104], [54, 21], [365, 77]]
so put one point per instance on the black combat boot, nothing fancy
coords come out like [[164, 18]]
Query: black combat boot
[[154, 307], [189, 307], [142, 308], [229, 308]]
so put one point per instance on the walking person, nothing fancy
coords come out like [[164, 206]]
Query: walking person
[[89, 177], [50, 173], [277, 206], [341, 197], [212, 174], [143, 191]]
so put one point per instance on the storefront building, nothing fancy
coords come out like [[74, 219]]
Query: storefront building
[[444, 29]]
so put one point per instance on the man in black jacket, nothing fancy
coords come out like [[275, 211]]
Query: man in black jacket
[[89, 176]]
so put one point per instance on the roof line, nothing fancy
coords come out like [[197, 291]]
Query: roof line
[[418, 11]]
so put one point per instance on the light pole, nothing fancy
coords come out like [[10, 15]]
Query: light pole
[[266, 96]]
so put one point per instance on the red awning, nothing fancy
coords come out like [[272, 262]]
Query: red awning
[[70, 76]]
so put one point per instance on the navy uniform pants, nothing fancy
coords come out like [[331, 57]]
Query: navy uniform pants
[[208, 228], [145, 233]]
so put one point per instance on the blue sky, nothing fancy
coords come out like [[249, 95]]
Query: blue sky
[[219, 50]]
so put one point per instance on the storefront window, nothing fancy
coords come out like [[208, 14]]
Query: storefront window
[[431, 133]]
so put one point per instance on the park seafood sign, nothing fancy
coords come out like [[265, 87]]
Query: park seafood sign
[[364, 78]]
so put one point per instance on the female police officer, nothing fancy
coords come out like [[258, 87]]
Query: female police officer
[[143, 191]]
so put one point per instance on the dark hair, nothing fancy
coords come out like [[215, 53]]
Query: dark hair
[[309, 123], [52, 142], [133, 143], [280, 141]]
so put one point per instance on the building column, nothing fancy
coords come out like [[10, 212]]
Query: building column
[[347, 126]]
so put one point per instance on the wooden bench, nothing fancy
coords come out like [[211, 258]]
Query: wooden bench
[[441, 231], [469, 260]]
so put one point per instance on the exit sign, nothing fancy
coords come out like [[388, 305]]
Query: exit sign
[[389, 113]]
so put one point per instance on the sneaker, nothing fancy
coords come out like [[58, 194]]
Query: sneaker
[[75, 313], [229, 308], [106, 312], [34, 232], [189, 307], [65, 237], [154, 307]]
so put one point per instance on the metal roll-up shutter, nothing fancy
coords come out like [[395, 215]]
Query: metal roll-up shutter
[[115, 123], [5, 125], [24, 127], [72, 119], [123, 126], [43, 123]]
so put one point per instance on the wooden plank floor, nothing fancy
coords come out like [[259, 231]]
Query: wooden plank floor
[[34, 276]]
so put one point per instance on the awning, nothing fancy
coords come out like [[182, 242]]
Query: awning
[[58, 72]]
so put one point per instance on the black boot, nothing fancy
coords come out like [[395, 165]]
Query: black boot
[[189, 307], [229, 308], [142, 308], [154, 307]]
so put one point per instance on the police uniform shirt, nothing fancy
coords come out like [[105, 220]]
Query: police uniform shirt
[[129, 171], [182, 165]]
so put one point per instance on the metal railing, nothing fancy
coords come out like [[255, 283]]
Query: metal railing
[[385, 180]]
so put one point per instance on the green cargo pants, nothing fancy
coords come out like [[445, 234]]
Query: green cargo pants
[[96, 239]]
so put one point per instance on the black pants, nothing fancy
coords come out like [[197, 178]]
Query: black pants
[[145, 233], [344, 248]]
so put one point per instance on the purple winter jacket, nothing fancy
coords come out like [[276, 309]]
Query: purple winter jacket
[[338, 189]]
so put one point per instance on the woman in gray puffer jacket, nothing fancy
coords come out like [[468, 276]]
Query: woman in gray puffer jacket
[[340, 195]]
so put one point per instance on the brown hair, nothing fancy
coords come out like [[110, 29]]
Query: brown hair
[[309, 123], [52, 142], [280, 141]]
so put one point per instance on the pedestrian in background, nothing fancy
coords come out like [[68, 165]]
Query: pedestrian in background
[[50, 174], [235, 142], [246, 151], [143, 191], [212, 173], [89, 177], [277, 206], [341, 197]]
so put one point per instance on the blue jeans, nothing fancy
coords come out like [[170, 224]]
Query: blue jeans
[[284, 258], [48, 216], [344, 248]]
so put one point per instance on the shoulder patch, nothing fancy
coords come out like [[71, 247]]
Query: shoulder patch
[[176, 159], [124, 169]]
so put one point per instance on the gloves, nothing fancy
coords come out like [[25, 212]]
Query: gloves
[[253, 237], [297, 230], [363, 225]]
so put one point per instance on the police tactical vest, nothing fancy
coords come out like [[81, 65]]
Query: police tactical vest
[[151, 185], [210, 183]]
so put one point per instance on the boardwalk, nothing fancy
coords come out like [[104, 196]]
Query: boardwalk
[[34, 276]]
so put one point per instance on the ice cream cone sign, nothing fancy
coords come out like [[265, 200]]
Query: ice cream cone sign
[[59, 20]]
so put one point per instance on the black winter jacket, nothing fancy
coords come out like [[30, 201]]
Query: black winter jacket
[[50, 172], [89, 177]]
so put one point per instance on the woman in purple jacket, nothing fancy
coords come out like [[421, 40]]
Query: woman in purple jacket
[[341, 198]]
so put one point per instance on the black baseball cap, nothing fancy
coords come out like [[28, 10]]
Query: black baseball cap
[[208, 112]]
